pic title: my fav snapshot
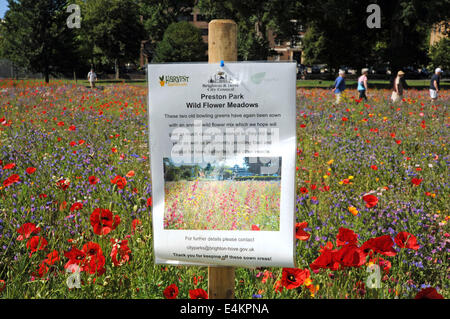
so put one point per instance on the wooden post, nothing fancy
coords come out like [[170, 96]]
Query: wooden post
[[222, 46]]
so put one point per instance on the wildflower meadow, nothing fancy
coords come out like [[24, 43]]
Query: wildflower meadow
[[76, 198]]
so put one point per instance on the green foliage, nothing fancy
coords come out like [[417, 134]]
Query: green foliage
[[314, 44], [157, 15], [35, 36], [182, 42], [254, 19], [111, 31], [440, 54]]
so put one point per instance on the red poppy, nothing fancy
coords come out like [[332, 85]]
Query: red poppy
[[370, 200], [63, 184], [374, 167], [134, 224], [278, 287], [382, 245], [119, 181], [26, 230], [60, 123], [327, 259], [254, 227], [42, 270], [2, 285], [36, 243], [293, 277], [428, 293], [416, 181], [52, 258], [75, 256], [42, 196], [11, 180], [346, 237], [384, 264], [171, 292], [149, 202], [73, 143], [72, 128], [81, 142], [406, 240], [303, 190], [130, 174], [350, 256], [76, 206], [120, 253], [198, 293], [30, 170], [328, 246], [103, 222], [300, 233], [9, 166], [93, 180], [94, 261]]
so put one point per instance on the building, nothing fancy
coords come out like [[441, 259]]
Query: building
[[439, 31], [287, 50], [240, 171]]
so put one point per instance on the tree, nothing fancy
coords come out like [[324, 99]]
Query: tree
[[35, 36], [345, 38], [254, 18], [337, 34], [157, 15], [405, 25], [440, 54], [112, 31], [182, 42]]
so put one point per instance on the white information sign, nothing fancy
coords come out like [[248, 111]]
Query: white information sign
[[222, 150]]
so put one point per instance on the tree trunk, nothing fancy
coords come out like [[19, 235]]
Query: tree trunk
[[116, 68], [396, 44], [46, 75]]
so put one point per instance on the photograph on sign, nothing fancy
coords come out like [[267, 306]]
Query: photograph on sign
[[246, 195], [222, 151]]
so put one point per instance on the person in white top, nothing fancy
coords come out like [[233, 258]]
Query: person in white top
[[362, 84], [92, 77], [397, 93]]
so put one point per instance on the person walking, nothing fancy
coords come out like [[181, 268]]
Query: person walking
[[435, 84], [397, 94], [92, 77], [362, 84], [339, 86]]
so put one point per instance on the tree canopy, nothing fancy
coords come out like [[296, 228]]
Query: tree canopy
[[35, 36], [182, 42]]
